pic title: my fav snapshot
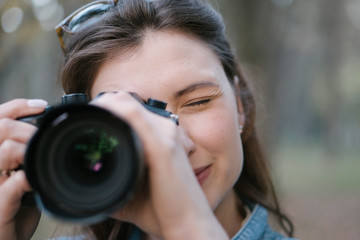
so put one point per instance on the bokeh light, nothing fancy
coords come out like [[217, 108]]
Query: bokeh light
[[11, 19]]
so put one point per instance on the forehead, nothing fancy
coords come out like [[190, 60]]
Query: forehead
[[164, 58]]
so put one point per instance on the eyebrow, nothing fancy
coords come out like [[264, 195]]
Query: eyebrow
[[194, 87]]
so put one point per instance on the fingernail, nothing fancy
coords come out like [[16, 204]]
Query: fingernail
[[99, 95], [102, 93], [37, 103]]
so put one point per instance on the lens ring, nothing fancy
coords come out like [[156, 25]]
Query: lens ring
[[66, 193]]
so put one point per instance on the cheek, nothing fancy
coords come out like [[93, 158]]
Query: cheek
[[217, 139], [216, 130]]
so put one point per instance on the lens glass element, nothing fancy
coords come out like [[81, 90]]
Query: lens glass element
[[91, 152], [87, 162]]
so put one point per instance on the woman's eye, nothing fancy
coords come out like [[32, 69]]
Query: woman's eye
[[198, 103]]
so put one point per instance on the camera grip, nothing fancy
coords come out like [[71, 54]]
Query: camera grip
[[35, 119], [28, 200], [32, 119]]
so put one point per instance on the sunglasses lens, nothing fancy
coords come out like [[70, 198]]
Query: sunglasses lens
[[88, 16]]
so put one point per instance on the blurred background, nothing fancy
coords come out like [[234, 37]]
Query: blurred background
[[303, 59]]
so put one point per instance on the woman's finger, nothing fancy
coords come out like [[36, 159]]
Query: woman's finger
[[22, 107], [11, 154], [11, 192], [148, 125], [15, 130]]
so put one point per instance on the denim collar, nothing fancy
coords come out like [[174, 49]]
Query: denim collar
[[255, 228], [255, 225]]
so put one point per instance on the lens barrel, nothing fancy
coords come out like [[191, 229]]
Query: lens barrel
[[83, 163]]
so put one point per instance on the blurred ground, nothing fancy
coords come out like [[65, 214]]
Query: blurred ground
[[321, 197], [328, 216]]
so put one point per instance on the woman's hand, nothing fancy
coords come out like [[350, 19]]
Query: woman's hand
[[176, 207], [16, 221]]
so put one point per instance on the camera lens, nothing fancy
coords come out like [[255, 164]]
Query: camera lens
[[83, 163], [90, 153]]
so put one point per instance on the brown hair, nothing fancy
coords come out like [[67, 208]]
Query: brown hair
[[122, 29]]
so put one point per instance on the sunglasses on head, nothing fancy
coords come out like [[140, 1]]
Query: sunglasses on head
[[85, 15]]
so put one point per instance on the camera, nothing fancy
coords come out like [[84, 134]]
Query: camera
[[84, 162]]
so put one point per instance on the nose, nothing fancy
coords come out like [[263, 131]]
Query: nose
[[186, 141]]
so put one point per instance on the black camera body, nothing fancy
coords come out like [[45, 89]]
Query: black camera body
[[84, 162]]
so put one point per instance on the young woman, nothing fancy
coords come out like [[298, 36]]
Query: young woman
[[208, 178]]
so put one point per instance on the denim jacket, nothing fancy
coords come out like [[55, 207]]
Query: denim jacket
[[258, 228], [255, 228]]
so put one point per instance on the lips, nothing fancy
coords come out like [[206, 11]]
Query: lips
[[202, 173]]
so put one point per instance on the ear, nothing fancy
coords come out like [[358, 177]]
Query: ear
[[240, 107]]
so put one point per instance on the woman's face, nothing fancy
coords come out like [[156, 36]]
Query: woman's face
[[182, 70]]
